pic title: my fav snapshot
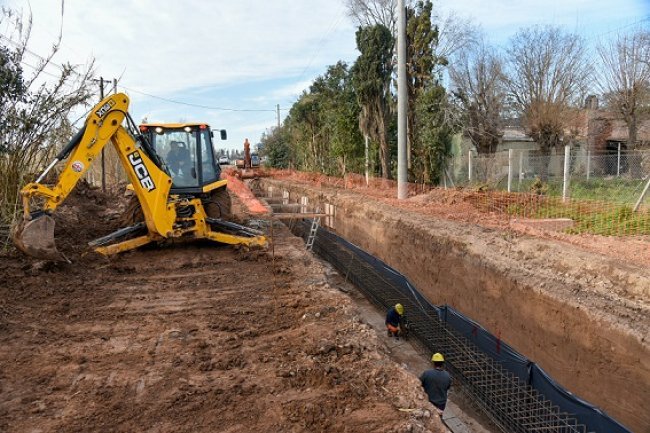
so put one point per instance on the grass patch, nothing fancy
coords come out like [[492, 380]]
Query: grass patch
[[614, 190], [590, 217]]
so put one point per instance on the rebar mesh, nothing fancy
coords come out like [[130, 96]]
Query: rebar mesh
[[511, 404]]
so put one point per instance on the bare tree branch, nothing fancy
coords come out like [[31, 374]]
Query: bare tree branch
[[455, 34], [624, 77], [371, 12], [478, 76], [34, 111], [548, 77]]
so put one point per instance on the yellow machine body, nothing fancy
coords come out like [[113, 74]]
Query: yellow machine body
[[149, 180]]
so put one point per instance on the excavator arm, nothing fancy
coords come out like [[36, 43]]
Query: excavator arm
[[151, 183]]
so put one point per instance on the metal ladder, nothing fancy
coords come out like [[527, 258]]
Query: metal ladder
[[315, 223]]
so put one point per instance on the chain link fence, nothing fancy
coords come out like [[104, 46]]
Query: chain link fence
[[618, 178], [573, 192]]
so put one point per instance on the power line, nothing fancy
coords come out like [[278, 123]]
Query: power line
[[173, 101], [319, 46], [43, 59], [36, 69], [189, 104], [620, 28]]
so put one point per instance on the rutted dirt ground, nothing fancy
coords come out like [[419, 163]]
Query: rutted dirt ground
[[581, 315], [189, 338]]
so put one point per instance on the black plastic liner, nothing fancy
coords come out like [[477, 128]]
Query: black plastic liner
[[512, 390]]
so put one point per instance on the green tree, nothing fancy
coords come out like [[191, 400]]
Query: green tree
[[12, 85], [371, 76], [421, 39], [276, 148], [429, 121], [304, 123], [339, 109], [434, 138], [322, 124]]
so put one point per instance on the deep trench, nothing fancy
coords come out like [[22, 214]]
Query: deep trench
[[454, 277]]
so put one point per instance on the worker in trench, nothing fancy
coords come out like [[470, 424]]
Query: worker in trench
[[395, 321], [436, 383]]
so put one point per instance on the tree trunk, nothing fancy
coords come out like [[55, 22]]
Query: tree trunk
[[544, 157], [384, 157], [631, 133]]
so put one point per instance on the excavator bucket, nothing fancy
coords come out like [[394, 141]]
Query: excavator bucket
[[36, 238]]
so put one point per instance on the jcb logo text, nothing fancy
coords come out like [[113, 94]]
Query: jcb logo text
[[141, 171]]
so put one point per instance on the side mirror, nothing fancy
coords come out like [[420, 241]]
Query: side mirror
[[212, 133], [224, 134]]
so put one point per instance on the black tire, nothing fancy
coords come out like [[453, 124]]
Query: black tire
[[133, 213], [219, 204]]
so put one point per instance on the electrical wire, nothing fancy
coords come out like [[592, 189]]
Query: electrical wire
[[319, 46], [189, 104], [172, 101]]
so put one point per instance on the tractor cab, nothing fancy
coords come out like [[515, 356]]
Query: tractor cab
[[188, 154]]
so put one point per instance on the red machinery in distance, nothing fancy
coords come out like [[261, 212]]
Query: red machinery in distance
[[248, 167]]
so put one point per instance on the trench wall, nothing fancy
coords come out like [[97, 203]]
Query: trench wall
[[588, 355]]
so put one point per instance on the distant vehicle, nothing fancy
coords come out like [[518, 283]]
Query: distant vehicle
[[223, 160], [255, 160]]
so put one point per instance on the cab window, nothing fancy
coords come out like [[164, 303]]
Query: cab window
[[211, 171], [177, 148]]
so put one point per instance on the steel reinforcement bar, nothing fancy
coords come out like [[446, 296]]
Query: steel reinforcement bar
[[511, 404]]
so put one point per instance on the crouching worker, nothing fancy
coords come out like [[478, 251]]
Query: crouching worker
[[436, 383], [394, 321]]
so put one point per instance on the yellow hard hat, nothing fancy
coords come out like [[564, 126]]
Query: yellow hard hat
[[399, 308], [437, 357]]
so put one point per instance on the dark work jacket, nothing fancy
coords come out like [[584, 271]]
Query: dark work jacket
[[393, 318], [436, 383]]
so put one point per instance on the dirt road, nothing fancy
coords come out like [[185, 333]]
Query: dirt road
[[192, 338]]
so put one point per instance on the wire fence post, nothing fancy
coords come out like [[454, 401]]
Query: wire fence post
[[618, 160], [588, 164], [521, 167], [469, 165], [510, 157], [565, 183], [642, 196]]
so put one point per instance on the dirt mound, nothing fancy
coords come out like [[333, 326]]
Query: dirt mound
[[190, 338], [476, 207], [87, 214]]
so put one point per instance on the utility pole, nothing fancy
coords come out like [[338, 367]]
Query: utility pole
[[101, 93], [402, 169], [278, 112], [367, 164]]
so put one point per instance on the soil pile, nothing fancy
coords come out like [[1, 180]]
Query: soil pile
[[189, 338], [467, 206]]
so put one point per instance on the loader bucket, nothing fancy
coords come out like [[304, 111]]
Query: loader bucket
[[36, 238]]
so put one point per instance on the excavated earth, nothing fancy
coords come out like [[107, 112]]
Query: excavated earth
[[189, 338], [582, 315]]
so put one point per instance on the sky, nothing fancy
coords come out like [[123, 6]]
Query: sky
[[230, 63]]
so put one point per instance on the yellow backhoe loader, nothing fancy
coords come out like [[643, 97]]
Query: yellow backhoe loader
[[173, 173]]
